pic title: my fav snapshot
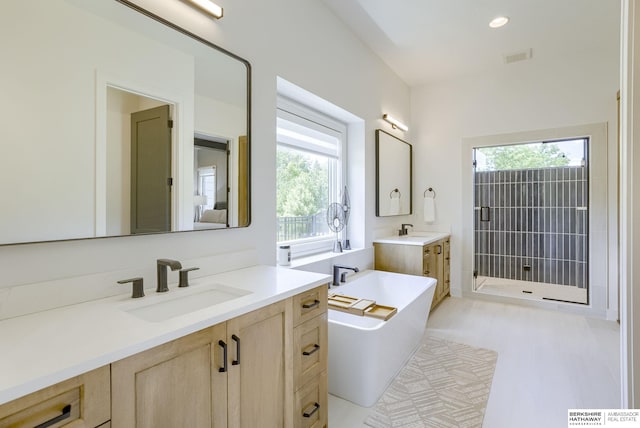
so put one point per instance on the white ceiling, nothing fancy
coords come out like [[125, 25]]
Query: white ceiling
[[430, 40]]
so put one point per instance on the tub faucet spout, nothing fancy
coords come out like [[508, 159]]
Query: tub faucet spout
[[162, 265], [337, 278]]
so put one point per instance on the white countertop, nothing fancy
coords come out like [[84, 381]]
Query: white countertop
[[41, 349], [413, 238]]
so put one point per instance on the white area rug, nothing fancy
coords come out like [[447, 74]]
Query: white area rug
[[445, 384]]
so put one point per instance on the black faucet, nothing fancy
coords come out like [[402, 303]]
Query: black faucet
[[162, 273], [337, 278], [403, 229]]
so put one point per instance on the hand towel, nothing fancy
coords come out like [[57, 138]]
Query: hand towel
[[429, 209], [394, 206]]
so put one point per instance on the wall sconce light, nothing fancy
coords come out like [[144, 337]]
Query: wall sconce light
[[395, 123], [210, 7]]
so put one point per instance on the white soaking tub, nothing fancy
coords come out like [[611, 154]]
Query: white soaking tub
[[365, 353]]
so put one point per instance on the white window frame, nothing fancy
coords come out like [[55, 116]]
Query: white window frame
[[297, 113]]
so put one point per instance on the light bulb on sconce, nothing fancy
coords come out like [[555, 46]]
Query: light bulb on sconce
[[210, 7], [395, 123]]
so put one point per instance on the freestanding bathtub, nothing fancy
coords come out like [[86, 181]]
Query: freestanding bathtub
[[365, 353]]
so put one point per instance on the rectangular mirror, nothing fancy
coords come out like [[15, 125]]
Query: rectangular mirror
[[393, 175], [105, 111]]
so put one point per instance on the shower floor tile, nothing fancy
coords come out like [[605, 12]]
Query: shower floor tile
[[530, 290]]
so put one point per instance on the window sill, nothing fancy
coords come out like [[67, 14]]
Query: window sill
[[307, 260]]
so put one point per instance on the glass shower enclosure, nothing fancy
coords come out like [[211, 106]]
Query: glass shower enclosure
[[531, 220]]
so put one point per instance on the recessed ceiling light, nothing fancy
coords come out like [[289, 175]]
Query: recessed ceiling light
[[498, 22]]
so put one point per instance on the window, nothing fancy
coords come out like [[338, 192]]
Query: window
[[207, 185], [545, 154], [310, 161]]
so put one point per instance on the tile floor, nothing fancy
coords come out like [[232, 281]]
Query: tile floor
[[548, 362]]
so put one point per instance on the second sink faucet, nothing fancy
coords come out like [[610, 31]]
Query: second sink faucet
[[162, 273], [403, 229], [337, 278]]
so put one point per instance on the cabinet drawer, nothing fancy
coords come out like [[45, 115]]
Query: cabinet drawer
[[311, 404], [309, 304], [310, 349], [84, 400]]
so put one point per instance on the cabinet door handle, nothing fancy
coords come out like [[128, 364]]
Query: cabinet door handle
[[311, 305], [237, 360], [308, 414], [313, 350], [224, 352], [66, 412], [439, 249]]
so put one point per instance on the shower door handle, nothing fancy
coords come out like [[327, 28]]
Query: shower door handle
[[484, 214]]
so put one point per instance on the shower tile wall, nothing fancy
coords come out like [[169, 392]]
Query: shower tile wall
[[537, 228]]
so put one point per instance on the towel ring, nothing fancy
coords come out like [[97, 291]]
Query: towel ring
[[430, 189], [394, 191]]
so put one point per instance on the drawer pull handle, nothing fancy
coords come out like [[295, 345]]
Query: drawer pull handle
[[224, 352], [237, 360], [315, 303], [315, 349], [66, 412], [307, 414]]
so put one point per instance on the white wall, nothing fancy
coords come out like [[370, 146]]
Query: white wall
[[299, 40], [543, 93]]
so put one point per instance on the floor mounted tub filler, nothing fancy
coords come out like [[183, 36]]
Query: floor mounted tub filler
[[366, 353]]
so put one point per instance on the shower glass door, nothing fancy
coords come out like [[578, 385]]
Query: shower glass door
[[531, 220]]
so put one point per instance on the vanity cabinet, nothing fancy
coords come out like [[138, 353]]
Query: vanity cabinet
[[82, 401], [310, 353], [430, 260], [266, 368], [259, 367], [175, 384], [249, 371]]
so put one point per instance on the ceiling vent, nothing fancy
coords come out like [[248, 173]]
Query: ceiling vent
[[518, 56]]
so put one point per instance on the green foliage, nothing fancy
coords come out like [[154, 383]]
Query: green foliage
[[524, 156], [302, 184]]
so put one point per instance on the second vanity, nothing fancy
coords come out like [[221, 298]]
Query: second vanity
[[418, 253], [257, 358]]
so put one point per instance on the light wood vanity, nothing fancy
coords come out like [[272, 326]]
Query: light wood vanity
[[82, 401], [264, 368], [412, 257]]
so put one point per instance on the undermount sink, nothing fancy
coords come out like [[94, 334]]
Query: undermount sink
[[167, 306]]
